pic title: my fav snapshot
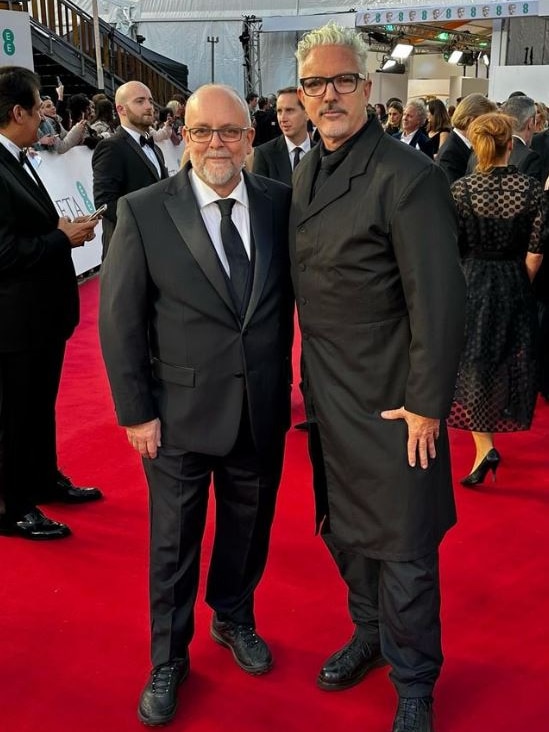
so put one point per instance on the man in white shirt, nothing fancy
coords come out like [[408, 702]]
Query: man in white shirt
[[278, 158], [129, 159], [413, 120]]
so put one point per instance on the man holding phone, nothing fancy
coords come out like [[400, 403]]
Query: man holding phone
[[38, 313]]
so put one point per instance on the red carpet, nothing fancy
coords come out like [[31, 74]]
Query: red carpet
[[74, 652]]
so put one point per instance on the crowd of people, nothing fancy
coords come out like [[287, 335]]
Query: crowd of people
[[411, 241]]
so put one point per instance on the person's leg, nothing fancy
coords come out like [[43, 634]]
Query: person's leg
[[484, 442], [409, 599], [178, 490], [246, 486]]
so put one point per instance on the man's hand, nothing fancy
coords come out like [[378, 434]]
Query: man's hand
[[77, 233], [422, 435], [145, 438]]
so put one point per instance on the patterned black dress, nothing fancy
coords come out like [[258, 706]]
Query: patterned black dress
[[501, 217]]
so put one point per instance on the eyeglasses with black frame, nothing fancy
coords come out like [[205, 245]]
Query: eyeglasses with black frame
[[225, 134], [315, 86]]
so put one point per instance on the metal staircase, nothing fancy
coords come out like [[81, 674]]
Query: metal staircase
[[63, 45]]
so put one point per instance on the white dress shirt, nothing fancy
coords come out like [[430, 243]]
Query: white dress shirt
[[12, 148], [206, 198], [149, 152], [305, 146]]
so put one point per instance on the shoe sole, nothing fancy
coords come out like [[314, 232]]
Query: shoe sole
[[343, 685], [253, 671], [161, 721]]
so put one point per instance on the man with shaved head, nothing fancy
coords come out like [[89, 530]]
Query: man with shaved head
[[129, 159], [196, 326]]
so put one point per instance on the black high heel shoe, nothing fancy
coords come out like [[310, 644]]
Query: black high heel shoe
[[489, 462]]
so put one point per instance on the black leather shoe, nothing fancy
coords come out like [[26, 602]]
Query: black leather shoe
[[349, 665], [34, 525], [65, 492], [158, 700], [249, 650], [414, 715]]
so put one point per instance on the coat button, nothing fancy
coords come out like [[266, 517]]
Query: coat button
[[303, 300], [239, 375], [301, 229], [303, 267]]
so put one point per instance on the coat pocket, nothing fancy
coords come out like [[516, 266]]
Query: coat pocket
[[181, 375]]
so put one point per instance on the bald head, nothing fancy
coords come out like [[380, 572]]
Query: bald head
[[135, 106], [212, 93]]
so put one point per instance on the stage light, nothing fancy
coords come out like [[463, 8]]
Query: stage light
[[402, 51], [388, 64], [455, 57]]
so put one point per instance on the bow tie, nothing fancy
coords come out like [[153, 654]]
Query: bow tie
[[146, 141]]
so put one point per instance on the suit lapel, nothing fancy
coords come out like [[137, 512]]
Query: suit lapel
[[138, 150], [283, 161], [37, 193], [182, 207], [261, 227], [339, 182]]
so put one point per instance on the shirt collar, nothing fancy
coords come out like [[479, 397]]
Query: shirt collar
[[462, 137], [10, 146], [133, 133], [305, 145], [206, 195]]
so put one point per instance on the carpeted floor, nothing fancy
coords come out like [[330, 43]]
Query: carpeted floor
[[73, 614]]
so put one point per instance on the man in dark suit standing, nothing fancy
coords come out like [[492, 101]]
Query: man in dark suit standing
[[523, 111], [196, 327], [278, 158], [38, 313], [128, 160], [453, 156], [380, 298], [412, 133]]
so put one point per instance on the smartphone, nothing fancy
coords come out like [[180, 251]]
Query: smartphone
[[59, 82], [97, 213]]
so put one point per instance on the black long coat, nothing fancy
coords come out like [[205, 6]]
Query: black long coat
[[380, 298]]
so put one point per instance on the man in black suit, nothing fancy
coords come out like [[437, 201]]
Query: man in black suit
[[196, 326], [38, 313], [278, 158], [453, 156], [380, 299], [413, 120], [128, 160], [523, 111]]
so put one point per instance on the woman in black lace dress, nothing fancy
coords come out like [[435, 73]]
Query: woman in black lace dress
[[501, 216]]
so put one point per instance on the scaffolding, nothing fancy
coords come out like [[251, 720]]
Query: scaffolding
[[249, 39]]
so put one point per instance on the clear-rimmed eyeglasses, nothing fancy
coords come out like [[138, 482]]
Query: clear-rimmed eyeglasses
[[225, 134], [315, 86]]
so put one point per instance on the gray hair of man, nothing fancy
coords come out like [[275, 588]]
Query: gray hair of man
[[521, 109], [420, 108], [229, 89], [332, 34]]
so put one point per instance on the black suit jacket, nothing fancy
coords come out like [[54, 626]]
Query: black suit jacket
[[420, 141], [120, 166], [453, 157], [272, 160], [38, 288], [173, 343], [527, 161], [540, 143]]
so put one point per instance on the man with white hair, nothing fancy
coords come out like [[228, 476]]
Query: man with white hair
[[413, 120]]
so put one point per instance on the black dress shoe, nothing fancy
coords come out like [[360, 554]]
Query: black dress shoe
[[158, 701], [414, 715], [349, 665], [249, 650], [34, 525], [65, 492]]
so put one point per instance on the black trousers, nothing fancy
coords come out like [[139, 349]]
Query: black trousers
[[245, 486], [397, 605], [30, 383]]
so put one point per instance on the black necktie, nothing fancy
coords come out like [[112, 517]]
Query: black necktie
[[297, 157], [146, 141], [239, 264]]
